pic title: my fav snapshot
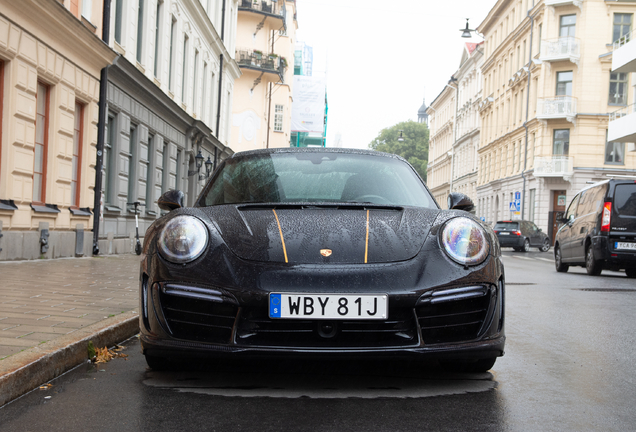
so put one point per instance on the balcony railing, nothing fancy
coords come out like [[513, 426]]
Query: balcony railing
[[623, 41], [622, 125], [266, 6], [564, 48], [264, 62], [557, 107], [553, 166]]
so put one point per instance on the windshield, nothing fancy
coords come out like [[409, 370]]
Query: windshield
[[507, 225], [315, 178]]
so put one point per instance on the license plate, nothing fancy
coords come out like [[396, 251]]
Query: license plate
[[504, 233], [329, 306], [625, 245]]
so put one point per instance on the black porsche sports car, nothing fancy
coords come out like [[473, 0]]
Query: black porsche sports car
[[321, 252]]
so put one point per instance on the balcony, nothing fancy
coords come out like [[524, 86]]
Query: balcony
[[624, 54], [561, 49], [560, 107], [554, 166], [268, 8], [555, 3], [622, 125], [265, 63]]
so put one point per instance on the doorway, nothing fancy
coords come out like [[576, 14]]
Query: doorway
[[559, 202]]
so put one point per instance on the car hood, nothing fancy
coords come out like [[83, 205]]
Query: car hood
[[318, 234]]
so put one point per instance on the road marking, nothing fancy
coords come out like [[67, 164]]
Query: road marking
[[546, 259]]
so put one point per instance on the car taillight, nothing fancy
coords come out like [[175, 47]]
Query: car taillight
[[607, 216], [517, 233]]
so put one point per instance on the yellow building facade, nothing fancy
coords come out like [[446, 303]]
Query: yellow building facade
[[51, 55], [265, 40], [548, 90], [441, 118]]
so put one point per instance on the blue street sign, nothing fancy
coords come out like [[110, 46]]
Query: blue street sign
[[513, 207], [517, 196]]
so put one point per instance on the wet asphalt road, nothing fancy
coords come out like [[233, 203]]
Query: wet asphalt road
[[570, 365]]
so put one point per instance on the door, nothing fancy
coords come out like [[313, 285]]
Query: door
[[536, 236], [558, 204], [565, 232]]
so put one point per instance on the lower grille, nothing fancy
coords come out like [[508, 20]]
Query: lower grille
[[453, 321], [199, 320], [259, 330]]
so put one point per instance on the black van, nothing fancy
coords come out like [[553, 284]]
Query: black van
[[599, 229]]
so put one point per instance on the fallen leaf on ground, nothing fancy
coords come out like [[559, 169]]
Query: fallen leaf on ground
[[46, 386], [103, 355]]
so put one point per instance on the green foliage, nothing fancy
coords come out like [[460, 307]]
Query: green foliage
[[91, 350], [414, 148]]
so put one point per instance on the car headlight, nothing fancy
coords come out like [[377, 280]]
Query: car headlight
[[465, 241], [183, 239]]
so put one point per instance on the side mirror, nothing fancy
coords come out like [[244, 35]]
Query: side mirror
[[459, 201], [170, 200]]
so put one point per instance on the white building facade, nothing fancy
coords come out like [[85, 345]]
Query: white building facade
[[169, 99]]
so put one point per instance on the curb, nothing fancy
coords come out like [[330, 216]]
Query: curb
[[21, 373]]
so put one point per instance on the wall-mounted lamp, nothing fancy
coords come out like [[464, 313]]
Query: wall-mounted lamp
[[199, 163], [401, 137]]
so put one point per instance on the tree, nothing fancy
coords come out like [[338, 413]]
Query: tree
[[414, 148]]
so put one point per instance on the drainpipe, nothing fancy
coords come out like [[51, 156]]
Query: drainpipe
[[218, 108], [525, 124], [101, 126]]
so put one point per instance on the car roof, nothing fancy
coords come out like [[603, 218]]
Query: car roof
[[316, 150]]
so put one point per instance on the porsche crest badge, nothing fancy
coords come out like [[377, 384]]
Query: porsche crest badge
[[325, 252]]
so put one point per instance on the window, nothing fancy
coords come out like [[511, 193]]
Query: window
[[119, 11], [564, 83], [539, 41], [173, 34], [618, 89], [140, 30], [87, 9], [147, 172], [622, 26], [157, 38], [184, 78], [108, 158], [614, 152], [278, 118], [41, 143], [1, 105], [194, 82], [567, 26], [561, 142], [204, 90], [129, 163], [533, 193], [77, 155]]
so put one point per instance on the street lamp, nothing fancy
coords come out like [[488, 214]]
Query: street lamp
[[401, 137], [466, 32], [208, 167]]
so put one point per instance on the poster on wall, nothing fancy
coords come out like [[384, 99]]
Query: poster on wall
[[308, 108]]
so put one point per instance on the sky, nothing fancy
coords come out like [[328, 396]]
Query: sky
[[381, 58]]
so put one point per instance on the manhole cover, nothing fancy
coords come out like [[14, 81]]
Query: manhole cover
[[520, 283], [607, 289]]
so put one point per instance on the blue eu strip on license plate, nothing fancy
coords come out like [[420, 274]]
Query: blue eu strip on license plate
[[274, 305]]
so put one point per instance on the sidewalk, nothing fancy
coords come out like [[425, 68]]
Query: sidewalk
[[49, 309]]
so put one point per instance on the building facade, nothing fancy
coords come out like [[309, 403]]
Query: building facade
[[169, 100], [548, 91], [441, 118], [51, 55], [261, 113], [464, 152]]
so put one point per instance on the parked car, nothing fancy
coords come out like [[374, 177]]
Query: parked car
[[321, 252], [521, 235], [599, 229]]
